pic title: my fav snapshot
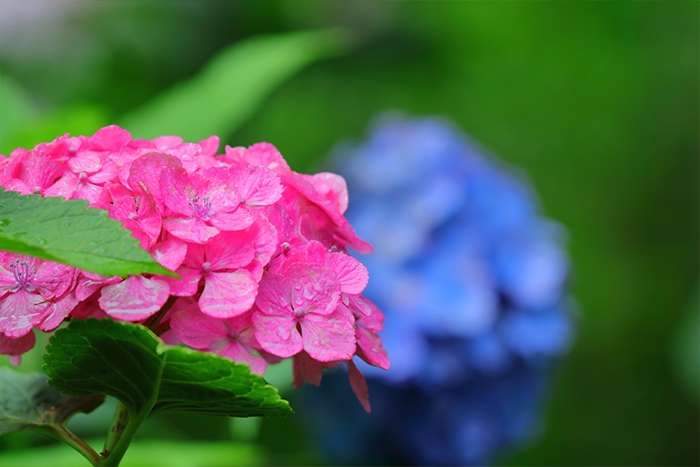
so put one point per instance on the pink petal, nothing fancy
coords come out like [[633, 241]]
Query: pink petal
[[167, 142], [360, 306], [352, 275], [241, 353], [374, 321], [107, 173], [88, 283], [217, 186], [177, 191], [328, 338], [238, 219], [64, 187], [307, 369], [196, 329], [346, 235], [264, 239], [337, 185], [277, 334], [110, 138], [85, 161], [188, 283], [190, 229], [369, 348], [210, 146], [134, 299], [148, 217], [274, 296], [52, 279], [188, 155], [18, 346], [58, 310], [315, 288], [230, 250], [19, 186], [145, 172], [88, 308], [243, 324], [19, 312], [227, 294], [257, 186], [359, 385], [88, 191], [38, 170], [170, 253], [264, 154]]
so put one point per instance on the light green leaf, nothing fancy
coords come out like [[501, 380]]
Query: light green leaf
[[69, 232], [16, 110], [127, 361], [231, 87], [149, 453], [27, 401], [23, 125]]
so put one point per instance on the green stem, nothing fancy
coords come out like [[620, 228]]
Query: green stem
[[116, 429], [63, 434], [121, 433], [154, 320]]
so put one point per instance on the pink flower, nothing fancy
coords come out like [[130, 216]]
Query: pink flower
[[261, 251], [229, 289], [297, 309], [201, 205], [231, 337], [32, 290]]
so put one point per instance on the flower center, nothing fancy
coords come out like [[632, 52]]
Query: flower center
[[206, 267], [297, 303], [22, 275], [201, 209]]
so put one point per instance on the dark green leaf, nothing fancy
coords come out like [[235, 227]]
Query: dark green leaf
[[28, 401], [69, 232], [230, 88], [127, 361]]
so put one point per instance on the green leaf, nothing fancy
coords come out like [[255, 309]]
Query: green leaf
[[69, 232], [231, 87], [27, 401], [150, 453], [77, 119], [127, 361], [16, 110]]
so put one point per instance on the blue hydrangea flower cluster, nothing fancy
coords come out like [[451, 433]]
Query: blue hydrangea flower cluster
[[472, 280]]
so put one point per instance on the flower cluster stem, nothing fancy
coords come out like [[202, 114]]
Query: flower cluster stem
[[64, 435], [121, 432]]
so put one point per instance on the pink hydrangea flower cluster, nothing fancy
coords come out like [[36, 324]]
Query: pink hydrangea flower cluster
[[261, 251]]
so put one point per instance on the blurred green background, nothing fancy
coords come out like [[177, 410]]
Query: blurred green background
[[597, 101]]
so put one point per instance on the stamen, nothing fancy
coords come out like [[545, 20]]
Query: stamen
[[201, 209], [22, 275]]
